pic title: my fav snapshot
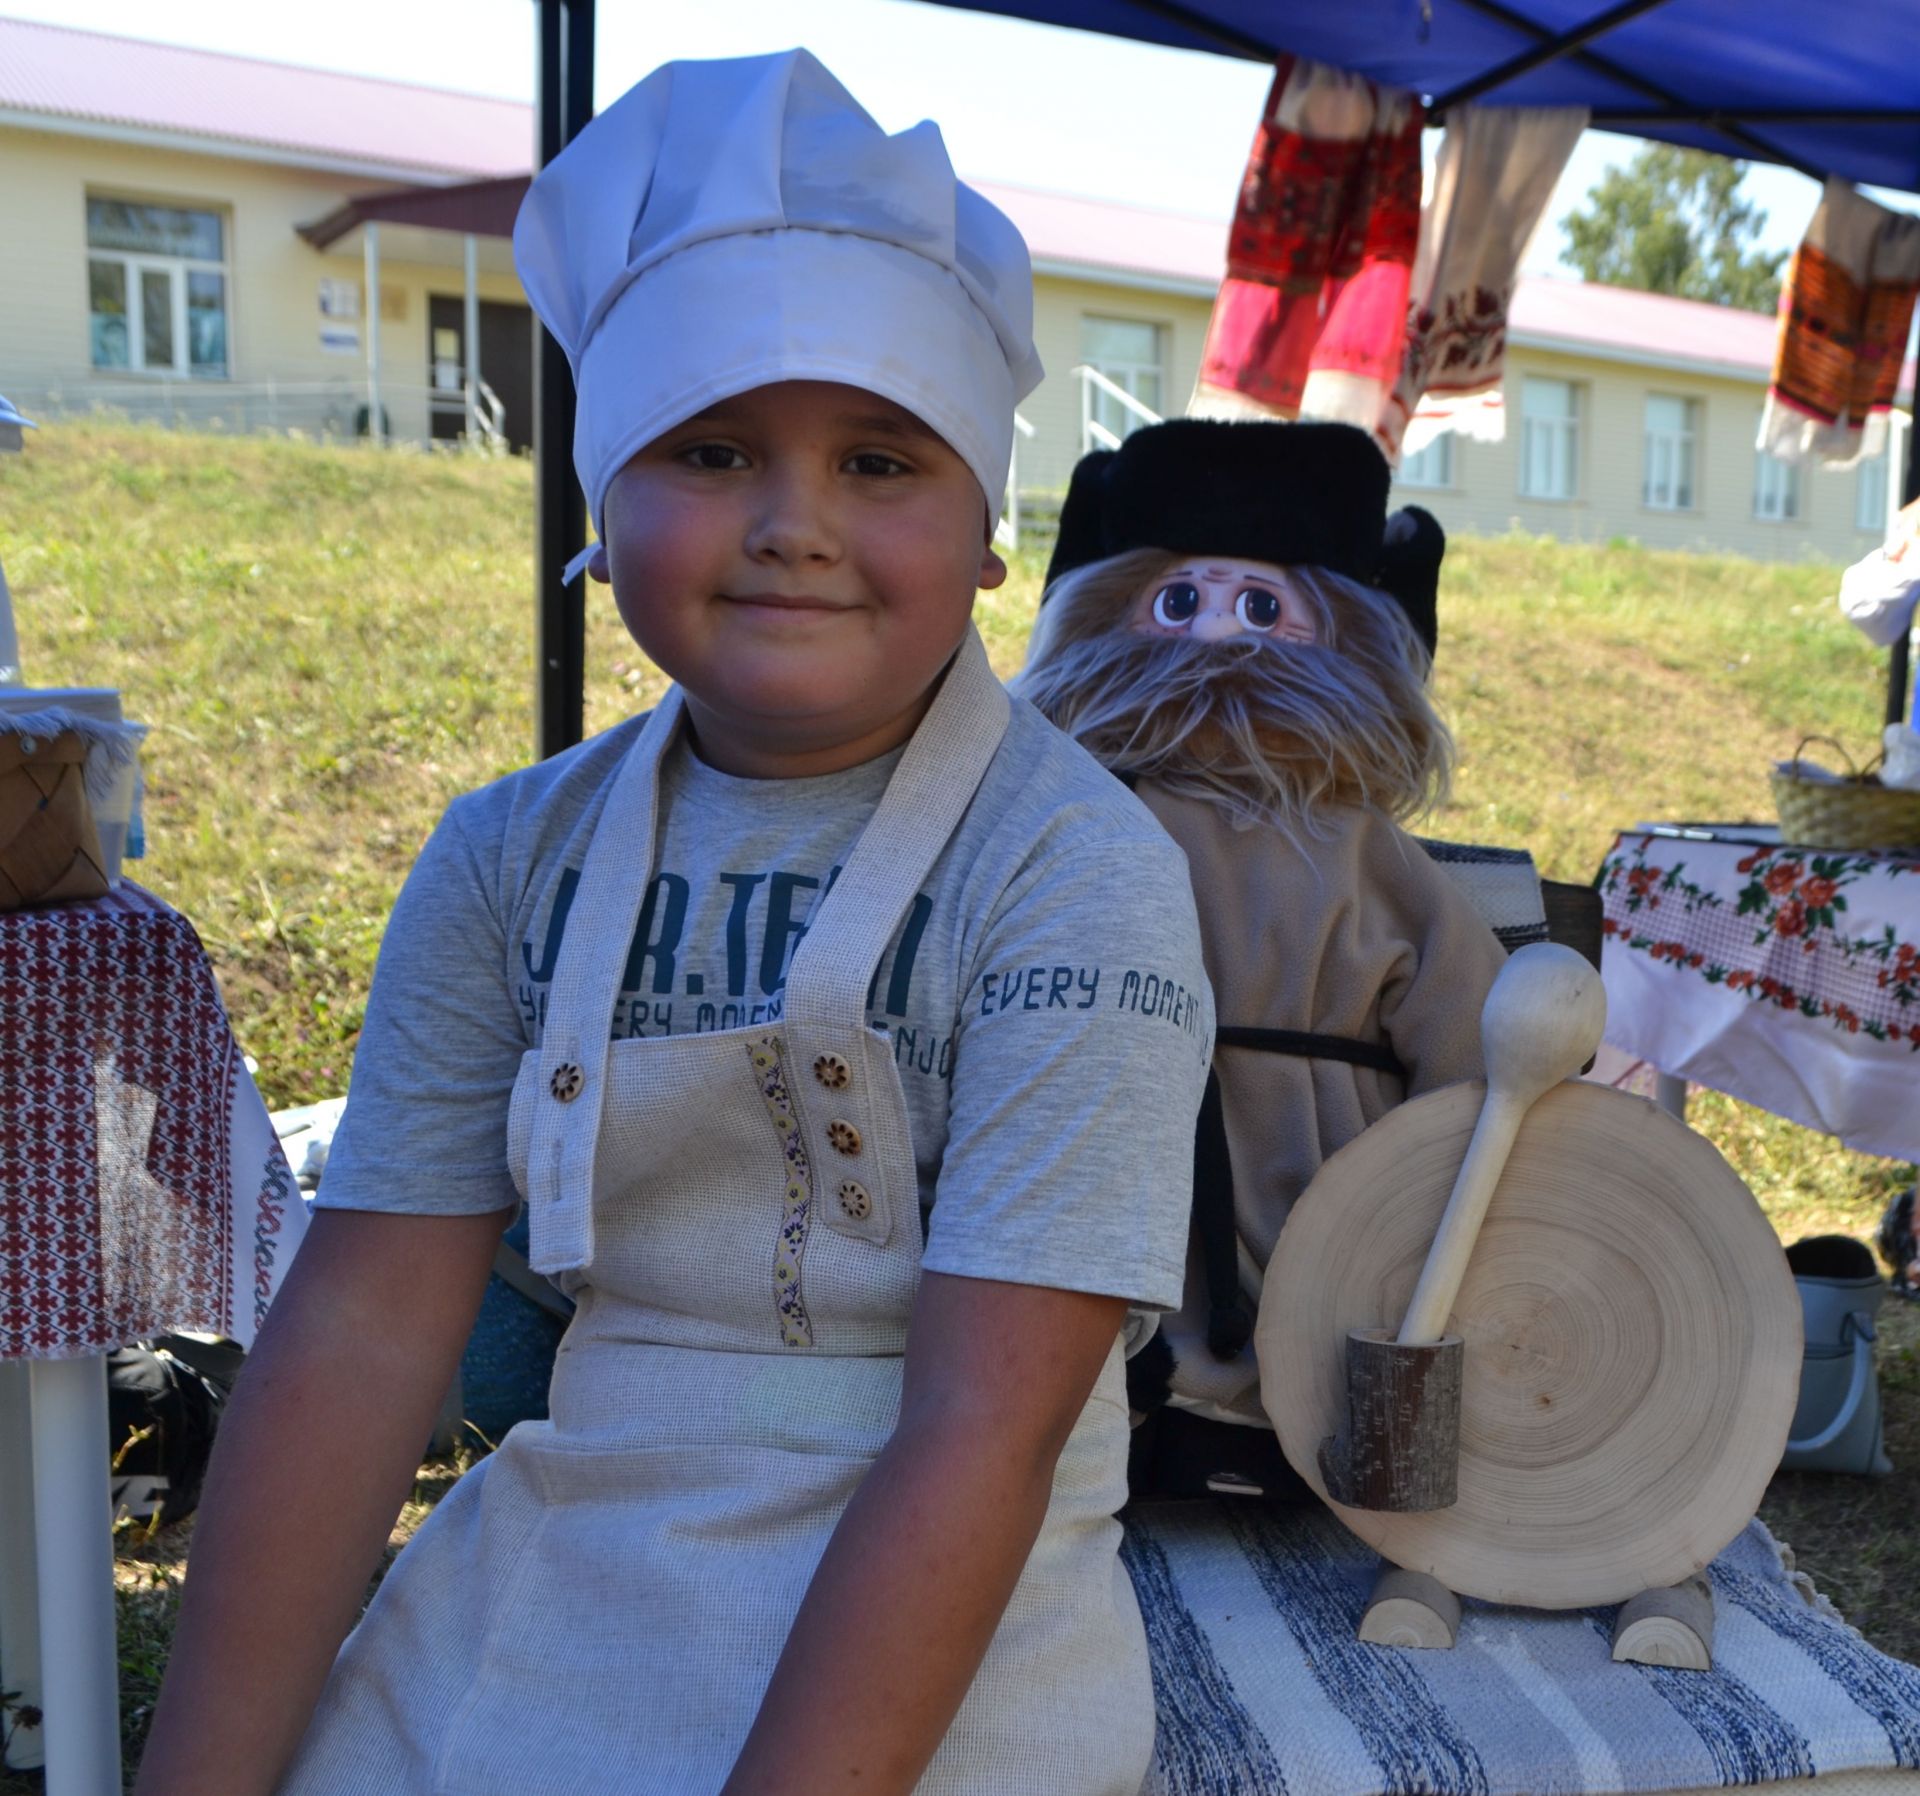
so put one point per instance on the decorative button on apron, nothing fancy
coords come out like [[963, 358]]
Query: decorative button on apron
[[567, 1082], [832, 1072], [855, 1201], [844, 1137]]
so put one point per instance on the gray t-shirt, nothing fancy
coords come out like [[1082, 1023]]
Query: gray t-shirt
[[1050, 1017]]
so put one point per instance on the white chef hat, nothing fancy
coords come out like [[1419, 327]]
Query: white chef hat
[[730, 224]]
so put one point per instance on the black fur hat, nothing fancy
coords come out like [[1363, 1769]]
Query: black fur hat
[[1283, 493], [1410, 569]]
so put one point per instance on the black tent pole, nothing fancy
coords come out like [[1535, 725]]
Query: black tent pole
[[565, 105]]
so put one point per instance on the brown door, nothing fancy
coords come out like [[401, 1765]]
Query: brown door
[[506, 364]]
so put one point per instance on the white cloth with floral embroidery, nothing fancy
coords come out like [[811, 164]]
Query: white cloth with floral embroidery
[[620, 1580], [1786, 977], [1496, 173]]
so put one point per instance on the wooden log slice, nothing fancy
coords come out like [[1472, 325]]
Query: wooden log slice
[[1632, 1343]]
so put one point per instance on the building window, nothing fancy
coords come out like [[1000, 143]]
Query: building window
[[1431, 466], [1870, 495], [1776, 488], [1549, 439], [1128, 353], [1666, 473], [157, 289]]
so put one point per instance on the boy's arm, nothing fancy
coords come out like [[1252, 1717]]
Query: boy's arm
[[920, 1569], [315, 1455]]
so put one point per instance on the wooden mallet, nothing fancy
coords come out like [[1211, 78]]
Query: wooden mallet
[[1541, 1023]]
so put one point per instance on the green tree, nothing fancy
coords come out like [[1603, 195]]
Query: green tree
[[1673, 221]]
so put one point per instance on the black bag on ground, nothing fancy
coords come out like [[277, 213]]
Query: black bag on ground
[[1899, 1244], [161, 1417]]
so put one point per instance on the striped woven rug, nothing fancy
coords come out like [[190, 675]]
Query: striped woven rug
[[1262, 1689]]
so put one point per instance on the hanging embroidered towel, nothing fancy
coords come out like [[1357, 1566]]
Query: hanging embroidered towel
[[1312, 314], [1844, 314], [1495, 175]]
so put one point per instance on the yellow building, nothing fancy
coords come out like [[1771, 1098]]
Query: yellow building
[[190, 237], [153, 199]]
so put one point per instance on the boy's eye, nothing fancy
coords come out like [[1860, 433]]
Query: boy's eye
[[1176, 604], [1258, 608], [715, 458], [875, 463]]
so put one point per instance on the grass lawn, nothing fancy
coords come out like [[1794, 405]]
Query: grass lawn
[[330, 643]]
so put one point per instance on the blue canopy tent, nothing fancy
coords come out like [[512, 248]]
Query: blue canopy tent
[[1767, 80]]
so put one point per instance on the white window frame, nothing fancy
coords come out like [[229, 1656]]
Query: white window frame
[[176, 269], [1126, 374], [1561, 437], [1669, 476], [1429, 470], [1776, 490]]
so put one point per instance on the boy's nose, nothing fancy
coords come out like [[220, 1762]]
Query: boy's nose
[[792, 523]]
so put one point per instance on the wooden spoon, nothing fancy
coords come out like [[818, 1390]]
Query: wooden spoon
[[1541, 1023]]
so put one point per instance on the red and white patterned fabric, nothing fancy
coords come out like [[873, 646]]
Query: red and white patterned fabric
[[1312, 315], [141, 1185], [1845, 311], [1787, 977]]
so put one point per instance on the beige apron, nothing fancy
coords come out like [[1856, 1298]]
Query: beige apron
[[598, 1606]]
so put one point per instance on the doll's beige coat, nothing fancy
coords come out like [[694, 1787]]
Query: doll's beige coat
[[1361, 935]]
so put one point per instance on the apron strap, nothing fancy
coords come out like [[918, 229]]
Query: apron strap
[[580, 1002], [945, 761]]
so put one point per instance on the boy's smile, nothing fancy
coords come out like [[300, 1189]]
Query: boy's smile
[[802, 559]]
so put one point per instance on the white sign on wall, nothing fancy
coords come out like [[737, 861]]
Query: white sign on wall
[[340, 339], [339, 299]]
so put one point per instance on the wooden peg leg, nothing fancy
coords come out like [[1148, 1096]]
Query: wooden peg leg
[[1408, 1608], [1673, 1627]]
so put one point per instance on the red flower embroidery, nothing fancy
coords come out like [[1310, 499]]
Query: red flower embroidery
[[1792, 918], [1782, 879], [1818, 893]]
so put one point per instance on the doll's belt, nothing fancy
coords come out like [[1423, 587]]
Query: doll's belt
[[1310, 1046]]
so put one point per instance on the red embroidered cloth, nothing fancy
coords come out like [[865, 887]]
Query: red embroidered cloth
[[1788, 977], [141, 1186], [1844, 315], [1320, 256]]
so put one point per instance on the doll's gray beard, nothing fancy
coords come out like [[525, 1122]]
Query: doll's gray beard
[[1270, 731]]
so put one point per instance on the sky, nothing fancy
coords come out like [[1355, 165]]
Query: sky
[[1022, 103]]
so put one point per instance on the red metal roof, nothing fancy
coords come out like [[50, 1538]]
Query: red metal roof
[[346, 119], [1062, 227], [1602, 317]]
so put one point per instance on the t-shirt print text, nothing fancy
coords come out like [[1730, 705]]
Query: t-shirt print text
[[730, 971], [1071, 987]]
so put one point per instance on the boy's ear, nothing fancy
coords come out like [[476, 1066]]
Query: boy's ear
[[993, 570], [597, 568]]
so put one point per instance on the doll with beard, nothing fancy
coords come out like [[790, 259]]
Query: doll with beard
[[1233, 626]]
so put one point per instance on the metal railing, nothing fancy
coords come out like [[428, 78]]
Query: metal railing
[[482, 414], [1008, 529], [490, 414], [333, 409], [1093, 433]]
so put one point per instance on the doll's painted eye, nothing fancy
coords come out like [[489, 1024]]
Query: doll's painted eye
[[1258, 608], [1176, 604]]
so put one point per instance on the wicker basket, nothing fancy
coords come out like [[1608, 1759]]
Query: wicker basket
[[49, 848], [1855, 813]]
